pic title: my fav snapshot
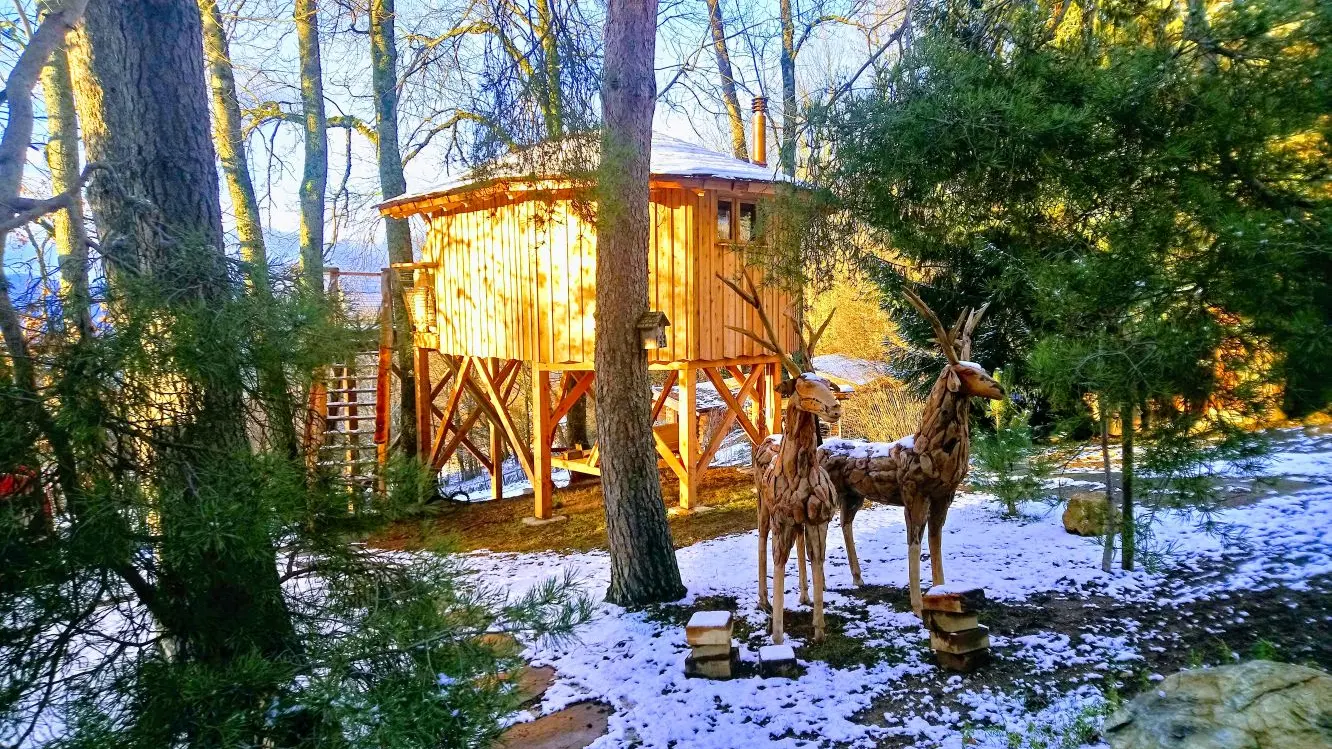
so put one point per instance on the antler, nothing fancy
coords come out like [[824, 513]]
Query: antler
[[809, 337], [943, 337], [751, 296], [972, 320]]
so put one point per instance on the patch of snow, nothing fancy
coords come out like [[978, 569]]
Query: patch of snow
[[850, 369], [710, 619], [670, 157]]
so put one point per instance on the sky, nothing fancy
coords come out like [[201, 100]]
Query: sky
[[264, 53]]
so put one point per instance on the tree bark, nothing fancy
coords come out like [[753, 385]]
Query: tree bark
[[1108, 552], [643, 565], [62, 157], [1126, 531], [230, 145], [143, 101], [552, 72], [734, 114], [789, 116], [314, 179], [392, 183]]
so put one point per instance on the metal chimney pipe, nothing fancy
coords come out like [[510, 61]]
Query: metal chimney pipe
[[760, 106]]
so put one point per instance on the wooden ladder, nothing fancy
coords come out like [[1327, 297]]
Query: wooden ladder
[[350, 451]]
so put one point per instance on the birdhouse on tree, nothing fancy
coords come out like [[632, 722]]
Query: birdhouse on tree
[[652, 329]]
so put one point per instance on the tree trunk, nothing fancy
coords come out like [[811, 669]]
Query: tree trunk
[[143, 102], [276, 393], [314, 180], [1108, 552], [62, 157], [392, 183], [552, 73], [643, 566], [733, 113], [231, 145], [789, 116], [1126, 486]]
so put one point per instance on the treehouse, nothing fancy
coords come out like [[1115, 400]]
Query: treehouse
[[507, 276]]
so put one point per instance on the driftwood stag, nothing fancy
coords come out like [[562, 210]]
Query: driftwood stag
[[795, 495], [920, 472]]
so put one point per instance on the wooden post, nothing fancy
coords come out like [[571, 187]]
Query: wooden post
[[543, 488], [496, 462], [756, 404], [496, 447], [423, 404], [772, 403], [688, 421]]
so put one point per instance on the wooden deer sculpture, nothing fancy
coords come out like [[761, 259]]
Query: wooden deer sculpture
[[795, 495], [921, 473]]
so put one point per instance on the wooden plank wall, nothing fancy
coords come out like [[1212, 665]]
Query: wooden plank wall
[[516, 280], [720, 309]]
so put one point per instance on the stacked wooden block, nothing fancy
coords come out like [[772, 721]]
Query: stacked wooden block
[[712, 654], [960, 642]]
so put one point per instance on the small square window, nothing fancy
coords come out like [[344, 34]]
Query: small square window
[[723, 220], [749, 229]]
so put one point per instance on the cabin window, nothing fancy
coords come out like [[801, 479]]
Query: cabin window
[[738, 222], [748, 221], [724, 232]]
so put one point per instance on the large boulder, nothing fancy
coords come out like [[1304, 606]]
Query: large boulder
[[1253, 705], [1085, 514]]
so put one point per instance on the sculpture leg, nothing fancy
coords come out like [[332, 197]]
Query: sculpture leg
[[816, 539], [800, 566], [915, 529], [764, 526], [781, 553], [848, 516], [937, 518]]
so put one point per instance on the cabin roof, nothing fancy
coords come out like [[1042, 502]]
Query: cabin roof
[[671, 157]]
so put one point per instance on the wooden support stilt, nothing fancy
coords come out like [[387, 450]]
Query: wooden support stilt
[[688, 421], [496, 462], [424, 403], [543, 488], [772, 402]]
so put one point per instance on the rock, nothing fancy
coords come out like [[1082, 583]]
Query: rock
[[960, 643], [709, 628], [574, 727], [713, 668], [778, 660], [712, 651], [1253, 705], [943, 622], [1085, 514], [963, 662], [954, 598]]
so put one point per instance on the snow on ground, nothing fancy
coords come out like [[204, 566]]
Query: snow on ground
[[635, 662]]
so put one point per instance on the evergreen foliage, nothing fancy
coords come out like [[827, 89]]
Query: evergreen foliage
[[1013, 467], [1141, 192], [197, 590], [1084, 169]]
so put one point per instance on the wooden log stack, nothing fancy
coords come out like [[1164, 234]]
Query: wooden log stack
[[712, 653], [960, 641]]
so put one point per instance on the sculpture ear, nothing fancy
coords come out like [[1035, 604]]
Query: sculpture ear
[[785, 388], [954, 382]]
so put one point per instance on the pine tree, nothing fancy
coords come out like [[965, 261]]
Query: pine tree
[[1138, 197], [643, 565]]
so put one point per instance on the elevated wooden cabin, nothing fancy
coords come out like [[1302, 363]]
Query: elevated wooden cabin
[[508, 275]]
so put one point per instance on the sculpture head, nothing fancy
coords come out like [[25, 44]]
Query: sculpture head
[[973, 381], [962, 376], [813, 394]]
